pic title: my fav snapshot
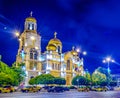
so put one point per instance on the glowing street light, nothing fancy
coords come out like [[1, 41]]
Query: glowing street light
[[108, 60], [113, 61], [84, 53], [104, 61], [78, 50], [17, 34]]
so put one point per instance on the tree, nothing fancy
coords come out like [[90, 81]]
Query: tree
[[59, 81], [20, 74], [33, 81], [80, 80], [13, 75], [6, 79], [42, 79], [88, 77], [105, 71], [47, 79], [98, 78]]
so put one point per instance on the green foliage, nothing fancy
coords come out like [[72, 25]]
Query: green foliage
[[6, 79], [98, 78], [19, 73], [80, 80], [104, 71], [47, 79], [11, 76], [18, 64], [59, 81], [33, 81], [88, 76], [42, 79]]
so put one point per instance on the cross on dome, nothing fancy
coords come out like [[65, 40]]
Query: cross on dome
[[31, 13], [55, 34], [73, 48]]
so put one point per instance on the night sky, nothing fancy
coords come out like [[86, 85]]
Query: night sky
[[92, 25]]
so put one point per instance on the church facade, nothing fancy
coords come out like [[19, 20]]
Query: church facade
[[53, 61]]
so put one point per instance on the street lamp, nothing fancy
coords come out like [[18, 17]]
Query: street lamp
[[17, 34], [84, 53], [108, 60], [79, 51]]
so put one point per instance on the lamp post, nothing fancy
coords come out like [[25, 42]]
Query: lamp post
[[81, 52], [108, 60]]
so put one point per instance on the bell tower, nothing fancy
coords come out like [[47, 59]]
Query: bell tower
[[30, 23], [30, 49]]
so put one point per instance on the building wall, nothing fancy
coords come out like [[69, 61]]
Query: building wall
[[51, 61]]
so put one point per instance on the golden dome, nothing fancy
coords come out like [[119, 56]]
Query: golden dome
[[55, 41], [75, 53], [51, 47], [30, 19]]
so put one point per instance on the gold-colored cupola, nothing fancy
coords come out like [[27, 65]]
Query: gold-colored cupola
[[55, 44], [30, 23]]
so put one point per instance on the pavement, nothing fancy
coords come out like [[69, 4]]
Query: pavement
[[68, 94]]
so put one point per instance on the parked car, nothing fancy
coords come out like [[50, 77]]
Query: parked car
[[66, 89], [56, 89], [83, 89], [47, 87], [37, 87], [7, 89], [29, 89], [99, 88], [117, 88]]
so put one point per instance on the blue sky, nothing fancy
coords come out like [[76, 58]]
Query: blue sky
[[93, 25]]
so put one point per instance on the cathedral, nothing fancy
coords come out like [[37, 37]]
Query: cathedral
[[52, 61]]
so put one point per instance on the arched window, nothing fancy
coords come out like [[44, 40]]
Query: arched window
[[35, 55], [32, 26], [53, 66], [43, 66], [59, 49], [31, 54], [28, 26], [35, 66], [58, 66], [68, 65]]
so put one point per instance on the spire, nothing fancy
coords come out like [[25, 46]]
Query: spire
[[55, 34], [73, 48], [31, 13]]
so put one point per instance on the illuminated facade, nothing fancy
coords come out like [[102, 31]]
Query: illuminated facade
[[53, 60]]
